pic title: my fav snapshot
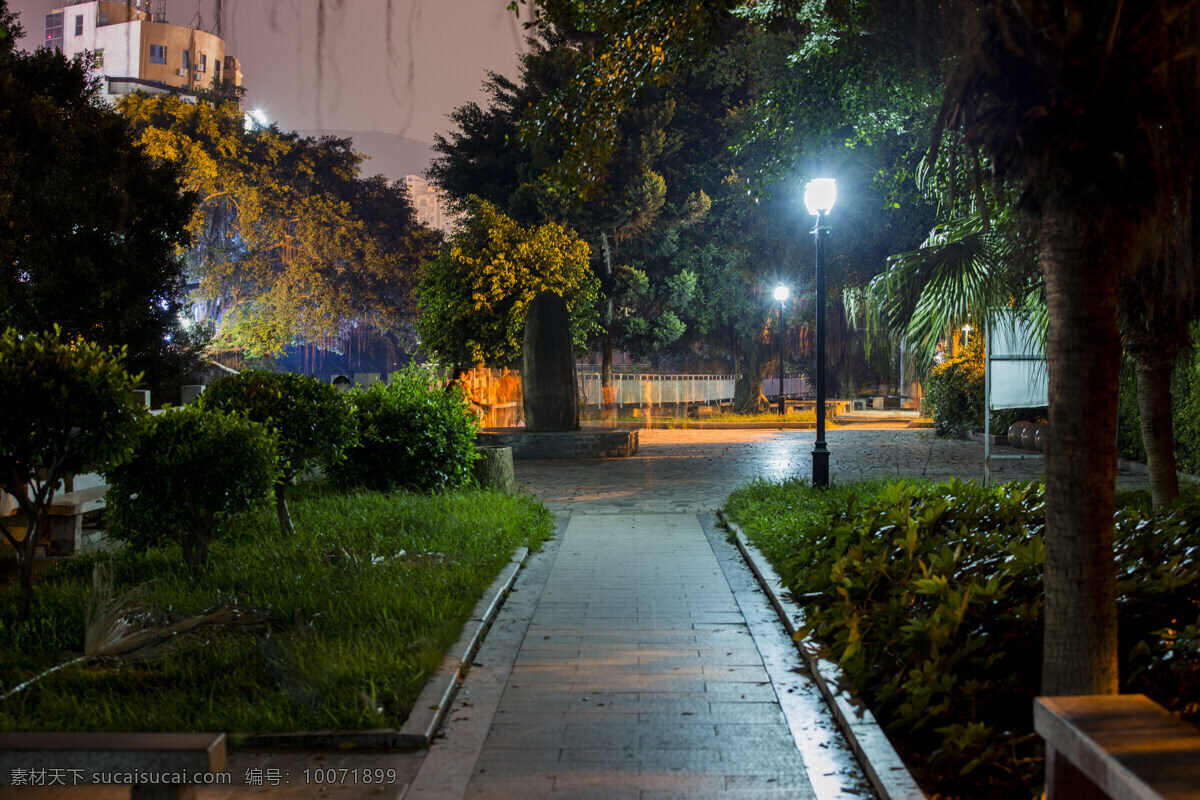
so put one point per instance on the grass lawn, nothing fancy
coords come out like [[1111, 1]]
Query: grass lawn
[[342, 624]]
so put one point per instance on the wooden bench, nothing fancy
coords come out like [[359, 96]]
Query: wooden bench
[[1124, 747], [171, 765], [64, 526]]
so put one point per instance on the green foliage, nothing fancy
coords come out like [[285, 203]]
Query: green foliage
[[88, 242], [289, 237], [193, 470], [67, 408], [930, 598], [311, 419], [473, 298], [954, 392], [361, 603], [412, 434]]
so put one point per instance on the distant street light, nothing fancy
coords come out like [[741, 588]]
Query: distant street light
[[781, 294], [966, 335], [819, 196]]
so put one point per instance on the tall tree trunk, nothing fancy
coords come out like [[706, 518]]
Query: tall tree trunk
[[281, 509], [1083, 348], [1158, 435], [748, 397]]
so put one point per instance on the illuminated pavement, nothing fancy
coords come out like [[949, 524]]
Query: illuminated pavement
[[695, 470]]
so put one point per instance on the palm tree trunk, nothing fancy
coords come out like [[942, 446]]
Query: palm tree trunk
[[1083, 348], [1158, 435]]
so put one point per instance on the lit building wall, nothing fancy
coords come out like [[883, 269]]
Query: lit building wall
[[134, 51]]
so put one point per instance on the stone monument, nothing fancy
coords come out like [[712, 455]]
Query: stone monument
[[548, 384]]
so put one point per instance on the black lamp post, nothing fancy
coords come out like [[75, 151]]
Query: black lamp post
[[781, 294], [819, 196]]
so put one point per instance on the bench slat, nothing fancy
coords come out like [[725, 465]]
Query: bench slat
[[1128, 745], [112, 752]]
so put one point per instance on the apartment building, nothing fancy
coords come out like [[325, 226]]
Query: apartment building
[[428, 203], [137, 49]]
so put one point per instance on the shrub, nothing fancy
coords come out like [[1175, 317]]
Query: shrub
[[412, 435], [311, 421], [930, 597], [954, 392], [193, 469], [67, 407]]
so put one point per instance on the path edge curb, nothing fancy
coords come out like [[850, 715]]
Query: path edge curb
[[435, 699], [882, 764]]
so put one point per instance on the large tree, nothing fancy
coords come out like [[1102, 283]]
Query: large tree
[[291, 243], [643, 197], [89, 224], [1079, 106]]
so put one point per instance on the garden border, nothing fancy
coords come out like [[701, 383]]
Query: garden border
[[883, 766], [435, 699]]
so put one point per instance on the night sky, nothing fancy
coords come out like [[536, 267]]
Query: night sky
[[435, 58]]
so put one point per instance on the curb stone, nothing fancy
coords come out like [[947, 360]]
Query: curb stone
[[887, 773], [435, 699]]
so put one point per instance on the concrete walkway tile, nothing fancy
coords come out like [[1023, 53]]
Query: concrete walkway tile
[[615, 675]]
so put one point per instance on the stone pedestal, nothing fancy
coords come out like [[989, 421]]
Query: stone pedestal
[[495, 469]]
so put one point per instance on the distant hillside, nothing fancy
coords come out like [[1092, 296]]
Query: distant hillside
[[391, 155]]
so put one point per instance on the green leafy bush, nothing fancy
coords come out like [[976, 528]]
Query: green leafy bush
[[193, 469], [412, 435], [311, 421], [954, 392], [67, 408], [930, 597]]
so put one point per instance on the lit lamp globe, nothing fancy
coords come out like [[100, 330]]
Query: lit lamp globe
[[781, 293], [819, 195]]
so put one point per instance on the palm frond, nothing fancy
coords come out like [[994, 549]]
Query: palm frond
[[125, 627]]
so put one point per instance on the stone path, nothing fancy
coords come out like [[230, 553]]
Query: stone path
[[695, 470]]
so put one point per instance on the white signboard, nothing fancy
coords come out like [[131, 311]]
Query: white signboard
[[1016, 366]]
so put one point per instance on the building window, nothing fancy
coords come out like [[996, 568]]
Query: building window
[[79, 24], [54, 30], [100, 57], [187, 59], [202, 63], [158, 54], [217, 70]]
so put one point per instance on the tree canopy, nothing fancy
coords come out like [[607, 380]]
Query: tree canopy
[[290, 242], [474, 295], [89, 224]]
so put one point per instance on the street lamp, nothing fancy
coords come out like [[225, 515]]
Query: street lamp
[[781, 294], [819, 196], [966, 334]]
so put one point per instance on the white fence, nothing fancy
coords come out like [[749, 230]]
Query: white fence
[[651, 389]]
